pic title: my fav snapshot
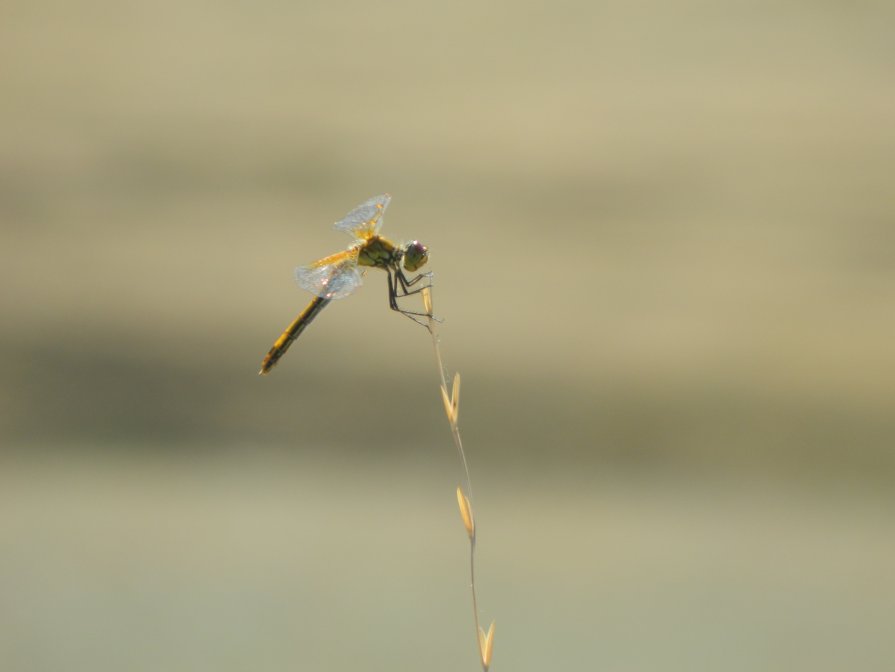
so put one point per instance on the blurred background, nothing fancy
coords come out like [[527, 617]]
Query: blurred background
[[664, 244]]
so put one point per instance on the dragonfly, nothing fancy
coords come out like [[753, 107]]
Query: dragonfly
[[340, 274]]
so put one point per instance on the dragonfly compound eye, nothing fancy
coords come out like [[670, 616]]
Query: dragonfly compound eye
[[415, 255]]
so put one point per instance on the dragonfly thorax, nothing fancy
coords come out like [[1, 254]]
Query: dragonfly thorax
[[378, 252], [383, 253]]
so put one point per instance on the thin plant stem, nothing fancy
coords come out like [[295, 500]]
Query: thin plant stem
[[483, 640], [455, 430]]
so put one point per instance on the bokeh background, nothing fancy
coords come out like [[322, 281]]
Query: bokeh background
[[664, 244]]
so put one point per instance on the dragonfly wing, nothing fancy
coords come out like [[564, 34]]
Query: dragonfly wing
[[334, 280], [366, 219]]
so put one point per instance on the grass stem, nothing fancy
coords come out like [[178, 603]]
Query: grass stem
[[451, 401]]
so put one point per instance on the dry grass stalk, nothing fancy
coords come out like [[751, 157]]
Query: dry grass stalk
[[486, 645], [452, 402], [466, 512], [448, 406], [452, 411], [427, 300]]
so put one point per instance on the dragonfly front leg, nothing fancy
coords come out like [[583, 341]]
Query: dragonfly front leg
[[407, 284], [397, 281]]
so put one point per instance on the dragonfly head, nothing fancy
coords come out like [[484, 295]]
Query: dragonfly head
[[415, 255]]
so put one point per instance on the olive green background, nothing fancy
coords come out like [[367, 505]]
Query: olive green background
[[664, 243]]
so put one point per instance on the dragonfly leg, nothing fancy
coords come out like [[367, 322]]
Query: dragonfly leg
[[393, 288], [405, 283], [402, 285]]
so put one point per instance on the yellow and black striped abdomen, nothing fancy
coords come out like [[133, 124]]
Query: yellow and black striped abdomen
[[292, 332]]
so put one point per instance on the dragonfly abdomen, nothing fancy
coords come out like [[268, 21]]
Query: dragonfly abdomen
[[292, 332]]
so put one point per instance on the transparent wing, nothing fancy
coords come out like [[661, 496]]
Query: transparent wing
[[366, 219], [333, 277]]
